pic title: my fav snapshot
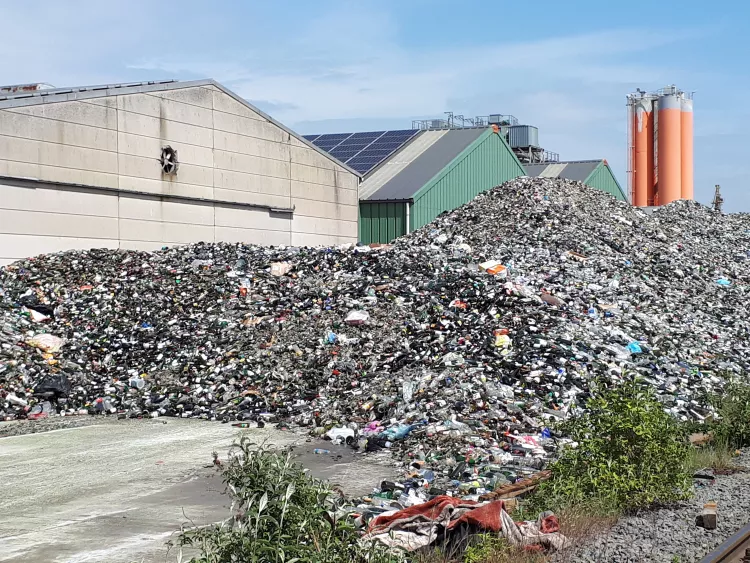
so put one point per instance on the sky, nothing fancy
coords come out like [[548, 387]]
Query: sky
[[325, 66]]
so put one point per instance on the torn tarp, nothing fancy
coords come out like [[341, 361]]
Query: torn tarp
[[421, 525]]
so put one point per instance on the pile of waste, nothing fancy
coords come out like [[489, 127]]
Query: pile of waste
[[454, 347]]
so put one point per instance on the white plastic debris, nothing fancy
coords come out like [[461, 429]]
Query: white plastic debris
[[46, 342]]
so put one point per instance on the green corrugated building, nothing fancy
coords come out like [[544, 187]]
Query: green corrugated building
[[437, 171], [594, 173], [411, 176]]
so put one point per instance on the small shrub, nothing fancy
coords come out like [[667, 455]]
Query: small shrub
[[733, 407], [716, 455], [630, 454], [489, 548], [483, 547], [279, 515]]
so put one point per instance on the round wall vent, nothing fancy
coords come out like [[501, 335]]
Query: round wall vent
[[168, 160]]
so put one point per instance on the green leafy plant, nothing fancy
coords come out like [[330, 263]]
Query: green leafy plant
[[483, 547], [279, 515], [715, 455], [733, 408], [630, 454]]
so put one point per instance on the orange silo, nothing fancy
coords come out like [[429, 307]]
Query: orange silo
[[669, 148], [686, 147], [643, 161]]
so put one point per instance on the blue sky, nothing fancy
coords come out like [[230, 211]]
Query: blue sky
[[329, 66]]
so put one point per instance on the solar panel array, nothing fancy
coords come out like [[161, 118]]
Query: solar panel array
[[363, 151]]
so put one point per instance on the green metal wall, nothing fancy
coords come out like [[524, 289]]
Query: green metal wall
[[603, 179], [484, 164], [381, 221]]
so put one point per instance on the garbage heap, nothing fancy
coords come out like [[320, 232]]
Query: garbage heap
[[458, 342]]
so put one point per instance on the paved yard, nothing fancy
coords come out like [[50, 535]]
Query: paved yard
[[117, 492]]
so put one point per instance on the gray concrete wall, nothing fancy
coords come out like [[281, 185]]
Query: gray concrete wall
[[228, 154]]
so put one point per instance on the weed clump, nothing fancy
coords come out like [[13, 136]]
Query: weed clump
[[630, 454], [279, 515], [733, 408]]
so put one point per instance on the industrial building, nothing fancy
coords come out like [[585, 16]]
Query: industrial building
[[141, 166], [413, 175], [145, 165], [438, 171], [594, 173], [660, 146]]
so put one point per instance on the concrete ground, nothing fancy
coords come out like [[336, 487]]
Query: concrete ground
[[118, 492]]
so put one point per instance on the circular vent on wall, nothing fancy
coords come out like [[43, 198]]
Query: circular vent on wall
[[168, 160]]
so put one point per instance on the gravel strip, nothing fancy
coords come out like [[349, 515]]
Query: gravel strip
[[670, 535], [20, 427]]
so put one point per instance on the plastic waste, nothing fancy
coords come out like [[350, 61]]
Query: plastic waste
[[280, 268], [398, 432], [494, 268], [53, 385], [137, 382], [342, 435], [46, 342], [635, 348], [40, 411], [356, 318]]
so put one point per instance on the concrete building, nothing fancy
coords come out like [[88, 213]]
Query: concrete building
[[140, 166]]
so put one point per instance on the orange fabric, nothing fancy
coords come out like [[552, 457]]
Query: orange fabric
[[430, 510], [486, 517], [550, 525]]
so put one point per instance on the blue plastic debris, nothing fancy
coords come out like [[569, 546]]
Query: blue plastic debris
[[635, 348]]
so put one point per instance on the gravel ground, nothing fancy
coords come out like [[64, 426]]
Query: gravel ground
[[21, 427], [670, 535]]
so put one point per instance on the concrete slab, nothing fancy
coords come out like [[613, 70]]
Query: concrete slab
[[117, 492]]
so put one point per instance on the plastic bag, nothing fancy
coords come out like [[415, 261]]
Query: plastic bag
[[46, 342]]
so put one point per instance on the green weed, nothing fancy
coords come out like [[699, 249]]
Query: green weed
[[715, 455], [733, 407], [279, 515], [630, 454]]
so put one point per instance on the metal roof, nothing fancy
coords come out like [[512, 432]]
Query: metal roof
[[396, 163], [39, 95], [425, 166], [577, 170], [53, 95], [13, 88]]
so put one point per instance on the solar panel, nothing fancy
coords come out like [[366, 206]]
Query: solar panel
[[389, 146], [352, 146], [334, 137], [344, 154], [378, 153], [365, 160], [361, 168], [363, 151], [400, 132], [373, 134]]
